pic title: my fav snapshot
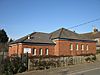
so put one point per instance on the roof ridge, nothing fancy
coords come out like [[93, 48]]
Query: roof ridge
[[54, 31], [61, 32]]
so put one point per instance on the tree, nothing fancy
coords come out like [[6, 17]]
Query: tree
[[3, 43], [3, 36], [3, 40], [11, 40]]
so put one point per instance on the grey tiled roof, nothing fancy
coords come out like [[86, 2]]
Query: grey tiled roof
[[92, 35], [36, 37], [39, 37], [65, 33]]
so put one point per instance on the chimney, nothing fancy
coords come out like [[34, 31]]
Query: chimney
[[29, 37], [95, 29]]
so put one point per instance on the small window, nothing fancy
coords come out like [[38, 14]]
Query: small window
[[46, 51], [87, 47], [76, 46], [82, 47], [34, 51], [40, 51], [71, 46]]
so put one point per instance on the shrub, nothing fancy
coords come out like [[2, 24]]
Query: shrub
[[12, 66], [88, 59], [93, 58]]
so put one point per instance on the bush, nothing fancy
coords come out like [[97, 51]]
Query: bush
[[88, 59], [93, 58], [12, 66]]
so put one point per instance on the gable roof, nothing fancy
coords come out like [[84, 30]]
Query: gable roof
[[65, 33]]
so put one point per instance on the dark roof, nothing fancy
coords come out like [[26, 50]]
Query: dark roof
[[92, 35], [65, 33], [36, 37], [39, 37]]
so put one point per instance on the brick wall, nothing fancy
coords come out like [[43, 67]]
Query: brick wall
[[61, 48], [19, 49]]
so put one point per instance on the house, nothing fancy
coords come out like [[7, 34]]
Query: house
[[61, 42], [95, 35]]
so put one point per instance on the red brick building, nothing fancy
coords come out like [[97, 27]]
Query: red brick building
[[61, 42]]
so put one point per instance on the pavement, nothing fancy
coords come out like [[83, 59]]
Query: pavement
[[78, 69]]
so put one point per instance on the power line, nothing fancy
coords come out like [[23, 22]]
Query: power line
[[84, 23]]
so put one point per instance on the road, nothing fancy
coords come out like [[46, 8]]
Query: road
[[95, 71], [80, 69]]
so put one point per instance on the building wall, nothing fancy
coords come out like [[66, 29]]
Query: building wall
[[19, 49], [63, 48], [12, 49]]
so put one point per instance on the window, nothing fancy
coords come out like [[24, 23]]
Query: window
[[71, 46], [76, 46], [40, 51], [87, 47], [46, 51], [82, 47], [34, 51]]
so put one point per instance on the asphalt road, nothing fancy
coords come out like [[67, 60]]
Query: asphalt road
[[81, 69]]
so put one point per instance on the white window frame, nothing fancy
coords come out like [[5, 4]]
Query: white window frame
[[34, 51], [40, 50], [47, 51], [82, 47], [87, 47], [71, 46]]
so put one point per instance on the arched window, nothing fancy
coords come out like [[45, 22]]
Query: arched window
[[40, 51], [46, 51], [71, 46], [82, 47], [34, 51], [87, 47]]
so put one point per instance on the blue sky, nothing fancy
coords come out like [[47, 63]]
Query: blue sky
[[21, 17]]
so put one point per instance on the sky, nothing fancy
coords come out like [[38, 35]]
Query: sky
[[22, 17]]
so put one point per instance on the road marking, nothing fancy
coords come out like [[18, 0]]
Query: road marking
[[84, 71]]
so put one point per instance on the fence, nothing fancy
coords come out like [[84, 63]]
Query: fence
[[54, 62]]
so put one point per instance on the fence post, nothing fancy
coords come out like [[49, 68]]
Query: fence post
[[27, 60]]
